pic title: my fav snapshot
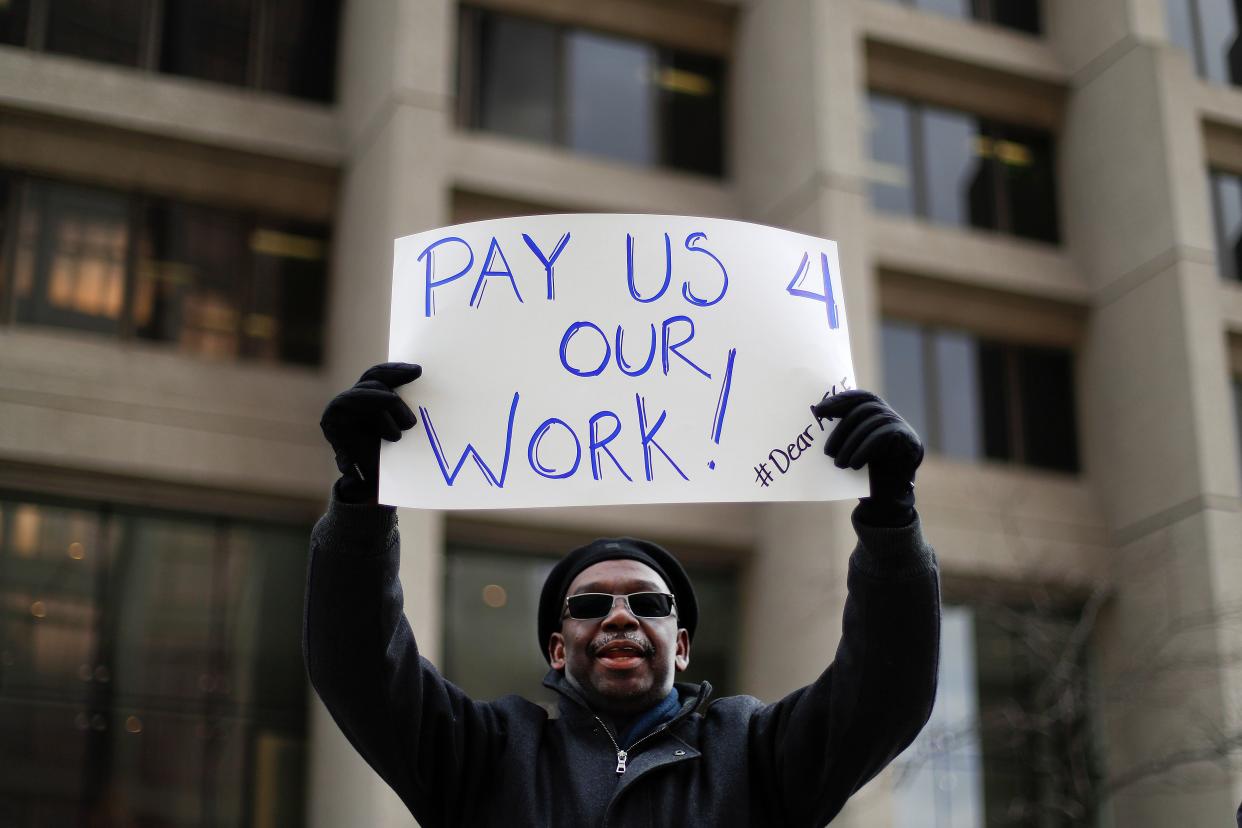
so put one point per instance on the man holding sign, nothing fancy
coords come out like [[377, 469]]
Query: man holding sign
[[616, 622]]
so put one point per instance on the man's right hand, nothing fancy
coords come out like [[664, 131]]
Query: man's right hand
[[355, 420]]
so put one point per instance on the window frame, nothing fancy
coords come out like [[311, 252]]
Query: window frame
[[260, 46], [469, 79], [138, 204]]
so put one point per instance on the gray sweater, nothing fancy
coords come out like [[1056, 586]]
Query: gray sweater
[[734, 761]]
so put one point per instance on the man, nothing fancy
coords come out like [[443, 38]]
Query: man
[[616, 621]]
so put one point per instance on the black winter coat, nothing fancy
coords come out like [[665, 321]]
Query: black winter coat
[[734, 761]]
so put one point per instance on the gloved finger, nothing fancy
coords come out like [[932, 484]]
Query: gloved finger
[[401, 413], [849, 422], [359, 400], [392, 374], [876, 441], [838, 405], [847, 456], [386, 427]]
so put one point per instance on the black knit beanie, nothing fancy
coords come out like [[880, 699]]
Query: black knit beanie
[[552, 598]]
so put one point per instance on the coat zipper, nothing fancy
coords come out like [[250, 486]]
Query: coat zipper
[[624, 755]]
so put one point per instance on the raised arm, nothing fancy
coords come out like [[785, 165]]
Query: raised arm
[[819, 745], [423, 736]]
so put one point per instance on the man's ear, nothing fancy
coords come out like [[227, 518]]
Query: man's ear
[[682, 658], [556, 651]]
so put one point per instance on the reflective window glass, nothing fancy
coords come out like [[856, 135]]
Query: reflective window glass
[[300, 54], [188, 277], [890, 169], [960, 185], [940, 776], [995, 372], [960, 9], [14, 21], [1227, 213], [1237, 413], [1181, 25], [957, 394], [104, 30], [691, 123], [905, 373], [610, 98], [1218, 27], [518, 77], [150, 669], [209, 41], [69, 265]]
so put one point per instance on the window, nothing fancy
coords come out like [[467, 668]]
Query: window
[[282, 46], [1237, 413], [592, 92], [1226, 193], [211, 281], [1208, 29], [1022, 15], [150, 668], [955, 168], [492, 597], [1008, 741], [974, 398]]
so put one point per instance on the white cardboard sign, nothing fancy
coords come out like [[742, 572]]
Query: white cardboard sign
[[603, 359]]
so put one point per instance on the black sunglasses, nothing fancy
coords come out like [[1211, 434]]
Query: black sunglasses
[[590, 605]]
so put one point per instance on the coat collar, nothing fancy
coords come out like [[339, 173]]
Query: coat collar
[[694, 697]]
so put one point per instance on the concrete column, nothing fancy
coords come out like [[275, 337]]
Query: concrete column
[[800, 157], [1154, 380], [395, 100]]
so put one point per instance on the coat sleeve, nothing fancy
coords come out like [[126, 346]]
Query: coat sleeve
[[816, 747], [420, 733]]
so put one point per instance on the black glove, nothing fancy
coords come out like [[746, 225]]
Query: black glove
[[355, 421], [872, 434]]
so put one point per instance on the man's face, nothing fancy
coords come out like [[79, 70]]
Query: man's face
[[620, 663]]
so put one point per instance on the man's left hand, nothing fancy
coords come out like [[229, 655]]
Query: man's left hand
[[872, 434]]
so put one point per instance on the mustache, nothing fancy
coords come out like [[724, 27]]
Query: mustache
[[634, 638]]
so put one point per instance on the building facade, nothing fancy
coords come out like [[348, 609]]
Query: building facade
[[1039, 212]]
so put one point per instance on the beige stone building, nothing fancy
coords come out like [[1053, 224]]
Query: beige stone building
[[1039, 211]]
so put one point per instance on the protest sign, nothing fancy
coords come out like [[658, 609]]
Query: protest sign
[[605, 359]]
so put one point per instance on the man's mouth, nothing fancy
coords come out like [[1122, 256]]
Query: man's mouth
[[621, 654]]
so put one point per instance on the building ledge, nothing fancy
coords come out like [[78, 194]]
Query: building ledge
[[164, 105], [975, 258], [562, 180], [965, 41]]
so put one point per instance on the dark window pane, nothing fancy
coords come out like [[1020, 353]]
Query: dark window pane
[[285, 314], [105, 30], [905, 375], [517, 77], [994, 383], [1218, 27], [960, 182], [69, 268], [891, 170], [691, 112], [191, 262], [1227, 212], [1022, 15], [300, 58], [610, 99], [14, 20], [1024, 159], [210, 41], [1050, 438], [957, 394]]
